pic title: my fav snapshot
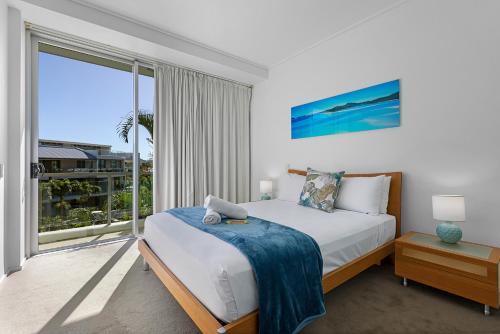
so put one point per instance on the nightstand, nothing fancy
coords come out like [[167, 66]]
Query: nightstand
[[465, 269]]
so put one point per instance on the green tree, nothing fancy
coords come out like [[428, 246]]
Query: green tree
[[121, 200], [85, 189], [62, 187], [145, 119]]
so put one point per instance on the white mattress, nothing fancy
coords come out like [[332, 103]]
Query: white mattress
[[221, 277]]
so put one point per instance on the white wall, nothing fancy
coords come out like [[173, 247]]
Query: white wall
[[3, 123], [14, 176], [447, 55]]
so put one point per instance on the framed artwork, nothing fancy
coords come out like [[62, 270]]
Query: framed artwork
[[371, 108]]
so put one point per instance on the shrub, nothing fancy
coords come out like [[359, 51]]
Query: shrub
[[81, 214]]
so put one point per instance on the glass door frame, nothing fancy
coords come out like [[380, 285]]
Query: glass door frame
[[33, 38]]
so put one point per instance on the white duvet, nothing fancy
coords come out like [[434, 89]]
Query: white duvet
[[221, 277]]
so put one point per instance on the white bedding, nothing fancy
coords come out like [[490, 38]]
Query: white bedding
[[221, 277]]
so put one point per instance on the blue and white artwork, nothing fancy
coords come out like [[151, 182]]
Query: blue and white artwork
[[372, 108]]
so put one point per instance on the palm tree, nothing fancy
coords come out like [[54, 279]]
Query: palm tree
[[145, 118]]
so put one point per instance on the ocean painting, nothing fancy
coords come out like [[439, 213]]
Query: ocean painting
[[372, 108]]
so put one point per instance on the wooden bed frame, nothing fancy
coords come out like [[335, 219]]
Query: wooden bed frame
[[249, 324]]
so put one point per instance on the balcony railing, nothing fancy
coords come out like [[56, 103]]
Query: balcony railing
[[104, 210], [89, 170]]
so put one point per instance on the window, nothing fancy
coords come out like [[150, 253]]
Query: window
[[102, 164], [51, 166], [83, 99], [55, 165]]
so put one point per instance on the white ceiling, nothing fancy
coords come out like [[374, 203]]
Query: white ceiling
[[262, 31]]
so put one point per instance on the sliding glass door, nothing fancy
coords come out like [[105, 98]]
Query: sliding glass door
[[93, 172]]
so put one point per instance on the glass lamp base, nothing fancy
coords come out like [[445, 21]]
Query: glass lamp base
[[265, 197], [449, 233]]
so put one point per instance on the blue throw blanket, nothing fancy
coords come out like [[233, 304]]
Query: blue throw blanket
[[287, 264]]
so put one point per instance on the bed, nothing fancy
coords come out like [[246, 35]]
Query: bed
[[214, 282]]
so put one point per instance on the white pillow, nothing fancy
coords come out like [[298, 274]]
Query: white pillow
[[361, 194], [290, 187], [384, 201]]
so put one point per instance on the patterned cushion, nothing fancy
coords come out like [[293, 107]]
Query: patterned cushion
[[320, 190]]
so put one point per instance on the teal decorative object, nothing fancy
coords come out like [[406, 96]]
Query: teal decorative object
[[449, 232], [266, 188], [448, 209]]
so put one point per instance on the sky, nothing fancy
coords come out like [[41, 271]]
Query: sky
[[360, 95], [84, 102]]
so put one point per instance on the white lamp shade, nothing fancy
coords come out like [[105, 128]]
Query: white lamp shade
[[448, 208], [266, 186]]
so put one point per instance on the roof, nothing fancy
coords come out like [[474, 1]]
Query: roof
[[117, 156], [48, 152], [76, 143]]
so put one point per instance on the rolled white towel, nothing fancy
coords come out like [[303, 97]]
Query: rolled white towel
[[211, 217], [226, 208]]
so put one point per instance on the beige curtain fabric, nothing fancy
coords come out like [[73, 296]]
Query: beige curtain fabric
[[201, 139]]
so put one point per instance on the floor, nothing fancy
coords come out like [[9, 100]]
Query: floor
[[104, 290], [82, 240]]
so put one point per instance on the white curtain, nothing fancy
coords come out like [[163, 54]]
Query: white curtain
[[201, 139]]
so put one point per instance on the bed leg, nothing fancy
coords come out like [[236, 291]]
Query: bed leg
[[405, 281], [221, 330], [486, 309], [145, 265]]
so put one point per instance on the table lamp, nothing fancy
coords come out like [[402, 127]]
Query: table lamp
[[448, 209], [266, 187]]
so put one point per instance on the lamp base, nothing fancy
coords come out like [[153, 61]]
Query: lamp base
[[265, 197], [449, 233]]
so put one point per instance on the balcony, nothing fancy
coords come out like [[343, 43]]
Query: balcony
[[61, 238], [77, 208]]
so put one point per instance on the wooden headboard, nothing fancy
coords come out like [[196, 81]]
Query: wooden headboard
[[394, 206]]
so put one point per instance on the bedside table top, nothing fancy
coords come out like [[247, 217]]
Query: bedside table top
[[461, 247]]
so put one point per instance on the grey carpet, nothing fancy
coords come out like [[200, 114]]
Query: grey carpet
[[116, 296], [376, 302]]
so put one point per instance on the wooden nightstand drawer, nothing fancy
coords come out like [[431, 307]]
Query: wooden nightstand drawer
[[467, 270], [469, 285], [477, 270], [460, 285], [472, 268]]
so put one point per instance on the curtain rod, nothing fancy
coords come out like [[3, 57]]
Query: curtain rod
[[143, 60]]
